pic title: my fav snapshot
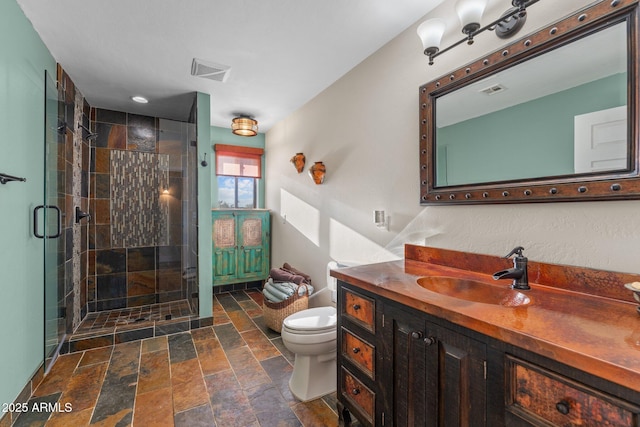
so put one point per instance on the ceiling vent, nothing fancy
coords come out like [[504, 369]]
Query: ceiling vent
[[491, 90], [210, 70]]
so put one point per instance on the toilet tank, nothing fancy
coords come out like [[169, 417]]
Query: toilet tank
[[327, 296]]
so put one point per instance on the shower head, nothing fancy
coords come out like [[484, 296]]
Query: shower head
[[90, 135]]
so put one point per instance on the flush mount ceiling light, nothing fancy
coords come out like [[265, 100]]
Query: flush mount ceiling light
[[470, 12], [139, 99], [244, 126]]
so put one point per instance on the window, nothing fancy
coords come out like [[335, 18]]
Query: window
[[238, 170], [237, 192]]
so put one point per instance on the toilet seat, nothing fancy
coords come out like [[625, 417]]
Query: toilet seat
[[311, 321]]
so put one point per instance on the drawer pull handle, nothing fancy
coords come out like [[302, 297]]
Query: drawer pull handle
[[356, 350], [355, 391], [429, 340], [416, 335], [356, 306], [563, 407]]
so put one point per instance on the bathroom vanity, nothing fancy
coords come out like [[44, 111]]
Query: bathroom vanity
[[434, 340]]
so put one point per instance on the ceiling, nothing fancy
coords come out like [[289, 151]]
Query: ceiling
[[282, 53]]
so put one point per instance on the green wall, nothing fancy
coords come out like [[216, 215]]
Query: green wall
[[523, 148], [23, 61], [205, 175], [221, 135]]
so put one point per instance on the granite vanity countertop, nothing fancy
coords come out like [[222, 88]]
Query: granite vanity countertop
[[591, 333]]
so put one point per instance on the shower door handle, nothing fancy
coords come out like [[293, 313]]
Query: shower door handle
[[35, 222], [36, 226]]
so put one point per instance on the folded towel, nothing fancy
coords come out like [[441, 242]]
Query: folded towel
[[291, 288], [276, 292], [288, 267], [280, 291], [286, 287], [269, 296], [281, 275], [305, 288]]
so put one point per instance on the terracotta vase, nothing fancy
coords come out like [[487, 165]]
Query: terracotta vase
[[317, 172], [298, 161]]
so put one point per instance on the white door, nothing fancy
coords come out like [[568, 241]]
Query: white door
[[600, 140]]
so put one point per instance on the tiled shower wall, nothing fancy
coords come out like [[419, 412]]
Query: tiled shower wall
[[73, 171], [136, 200]]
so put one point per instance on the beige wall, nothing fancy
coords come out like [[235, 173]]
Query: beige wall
[[365, 130]]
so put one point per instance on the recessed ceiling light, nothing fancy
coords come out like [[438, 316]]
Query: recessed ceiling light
[[140, 99]]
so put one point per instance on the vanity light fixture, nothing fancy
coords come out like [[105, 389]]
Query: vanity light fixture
[[470, 12], [431, 32], [139, 99], [244, 126]]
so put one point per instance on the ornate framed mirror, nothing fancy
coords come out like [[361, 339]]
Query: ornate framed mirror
[[551, 117]]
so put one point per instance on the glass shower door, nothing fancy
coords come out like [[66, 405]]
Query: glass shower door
[[48, 225]]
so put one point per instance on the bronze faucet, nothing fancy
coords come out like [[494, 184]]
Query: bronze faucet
[[519, 271]]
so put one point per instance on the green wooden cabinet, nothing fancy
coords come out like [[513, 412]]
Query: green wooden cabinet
[[240, 240]]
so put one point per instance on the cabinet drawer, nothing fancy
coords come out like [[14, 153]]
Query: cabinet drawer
[[359, 352], [358, 395], [537, 394], [359, 308]]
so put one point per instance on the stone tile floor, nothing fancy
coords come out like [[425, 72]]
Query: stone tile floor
[[234, 373]]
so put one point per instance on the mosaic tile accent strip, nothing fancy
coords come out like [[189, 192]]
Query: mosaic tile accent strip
[[252, 232], [77, 201], [138, 218], [224, 232]]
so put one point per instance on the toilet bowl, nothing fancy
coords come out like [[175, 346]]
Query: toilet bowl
[[311, 335]]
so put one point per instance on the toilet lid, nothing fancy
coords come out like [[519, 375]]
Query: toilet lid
[[312, 319]]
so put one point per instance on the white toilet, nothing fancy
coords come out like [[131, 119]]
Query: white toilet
[[311, 335]]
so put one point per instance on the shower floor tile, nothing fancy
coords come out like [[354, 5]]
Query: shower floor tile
[[130, 324], [102, 320], [213, 376]]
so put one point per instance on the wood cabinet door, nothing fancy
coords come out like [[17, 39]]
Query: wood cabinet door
[[225, 246], [253, 250], [461, 389], [409, 370], [437, 376]]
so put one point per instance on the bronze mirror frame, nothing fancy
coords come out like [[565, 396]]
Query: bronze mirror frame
[[617, 185]]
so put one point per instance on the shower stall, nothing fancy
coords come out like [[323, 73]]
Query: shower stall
[[142, 236], [119, 223]]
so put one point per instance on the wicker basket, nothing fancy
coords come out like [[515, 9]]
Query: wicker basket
[[275, 312]]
